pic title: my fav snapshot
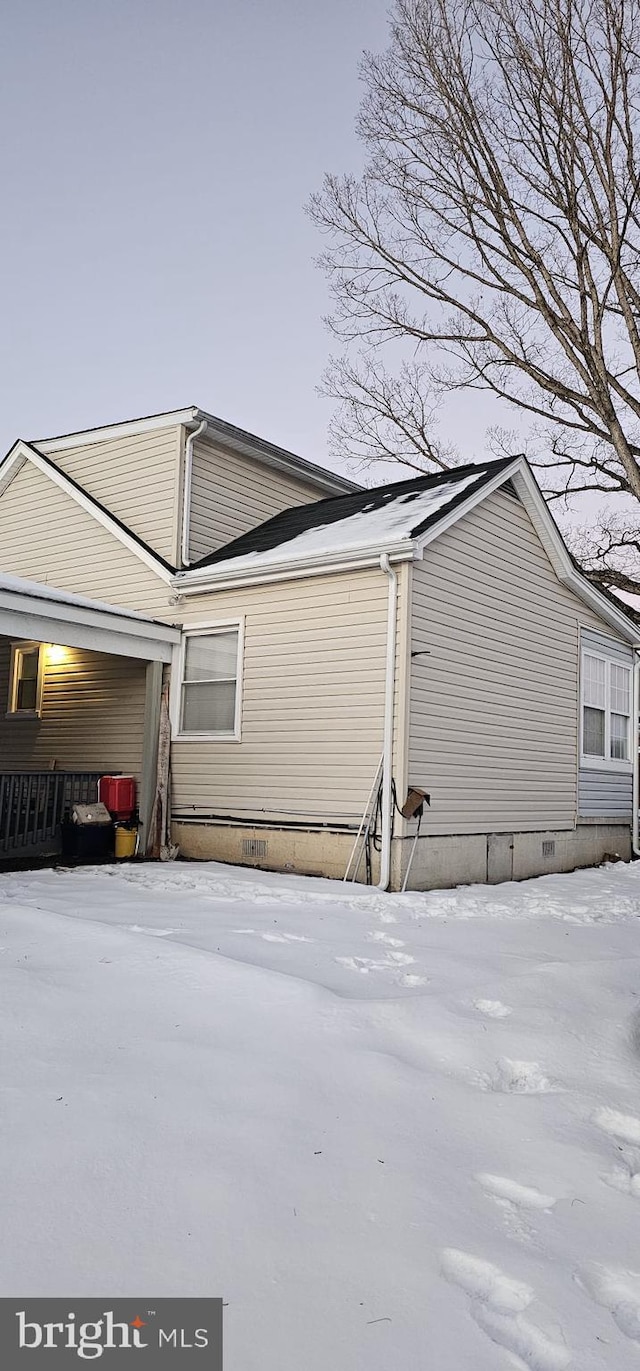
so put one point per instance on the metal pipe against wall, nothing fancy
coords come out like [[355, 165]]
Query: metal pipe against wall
[[635, 734], [387, 751], [186, 499]]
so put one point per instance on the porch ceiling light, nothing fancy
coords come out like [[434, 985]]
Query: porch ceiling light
[[56, 654]]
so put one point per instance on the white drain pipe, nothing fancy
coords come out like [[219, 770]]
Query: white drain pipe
[[186, 498], [387, 751], [635, 735]]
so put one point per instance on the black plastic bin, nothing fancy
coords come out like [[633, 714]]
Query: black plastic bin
[[88, 842]]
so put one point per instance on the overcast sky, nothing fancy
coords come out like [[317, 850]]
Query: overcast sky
[[156, 158]]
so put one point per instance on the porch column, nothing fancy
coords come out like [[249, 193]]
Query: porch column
[[148, 780]]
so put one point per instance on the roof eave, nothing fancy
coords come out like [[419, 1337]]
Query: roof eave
[[240, 440], [218, 577], [22, 452], [103, 434], [250, 445], [528, 490], [532, 498]]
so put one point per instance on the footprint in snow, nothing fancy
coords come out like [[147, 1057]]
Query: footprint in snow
[[285, 938], [516, 1078], [154, 932], [511, 1193], [276, 937], [624, 1128], [619, 1292], [379, 937], [497, 1304], [494, 1009], [626, 1176], [366, 964]]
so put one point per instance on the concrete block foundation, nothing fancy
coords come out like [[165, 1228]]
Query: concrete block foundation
[[466, 859], [439, 862], [301, 851]]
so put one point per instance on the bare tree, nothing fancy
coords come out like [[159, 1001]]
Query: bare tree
[[493, 240]]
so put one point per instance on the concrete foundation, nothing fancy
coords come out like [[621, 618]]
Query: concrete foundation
[[439, 862], [464, 859], [303, 851]]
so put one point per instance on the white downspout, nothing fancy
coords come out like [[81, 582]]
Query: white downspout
[[635, 734], [387, 753], [186, 499]]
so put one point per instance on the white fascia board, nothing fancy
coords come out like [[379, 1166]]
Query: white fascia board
[[465, 507], [553, 543], [361, 558], [22, 452], [76, 626], [526, 487], [9, 468], [125, 430]]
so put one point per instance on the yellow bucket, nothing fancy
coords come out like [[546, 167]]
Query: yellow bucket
[[125, 842]]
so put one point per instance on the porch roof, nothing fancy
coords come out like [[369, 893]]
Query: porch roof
[[29, 610]]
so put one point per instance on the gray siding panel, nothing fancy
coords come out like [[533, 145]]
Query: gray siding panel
[[604, 794], [494, 689], [231, 494]]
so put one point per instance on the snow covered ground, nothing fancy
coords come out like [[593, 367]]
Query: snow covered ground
[[395, 1133]]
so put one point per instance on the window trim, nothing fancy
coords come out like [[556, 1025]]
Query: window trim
[[606, 763], [201, 630], [18, 650]]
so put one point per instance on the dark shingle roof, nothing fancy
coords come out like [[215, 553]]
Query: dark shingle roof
[[279, 531]]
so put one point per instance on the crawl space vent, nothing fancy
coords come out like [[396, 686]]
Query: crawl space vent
[[254, 847], [548, 848]]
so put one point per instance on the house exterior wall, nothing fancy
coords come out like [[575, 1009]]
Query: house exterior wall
[[231, 494], [45, 536], [312, 715], [92, 715], [605, 794], [136, 477], [494, 707]]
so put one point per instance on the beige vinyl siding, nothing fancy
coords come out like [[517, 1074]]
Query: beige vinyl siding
[[494, 706], [45, 536], [312, 703], [92, 716], [231, 494], [136, 478]]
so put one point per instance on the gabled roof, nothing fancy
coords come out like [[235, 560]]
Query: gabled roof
[[218, 430], [22, 452], [400, 520], [398, 511]]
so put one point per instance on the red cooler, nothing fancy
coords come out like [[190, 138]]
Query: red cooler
[[118, 794]]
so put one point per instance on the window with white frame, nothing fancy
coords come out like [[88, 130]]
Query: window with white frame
[[210, 688], [25, 680], [606, 711]]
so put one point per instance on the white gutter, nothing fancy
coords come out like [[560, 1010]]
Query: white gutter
[[387, 751], [319, 564], [186, 499], [635, 735]]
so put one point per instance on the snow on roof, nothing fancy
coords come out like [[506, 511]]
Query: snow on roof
[[36, 590], [347, 523]]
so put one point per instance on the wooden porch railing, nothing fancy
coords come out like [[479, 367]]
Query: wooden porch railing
[[33, 805]]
